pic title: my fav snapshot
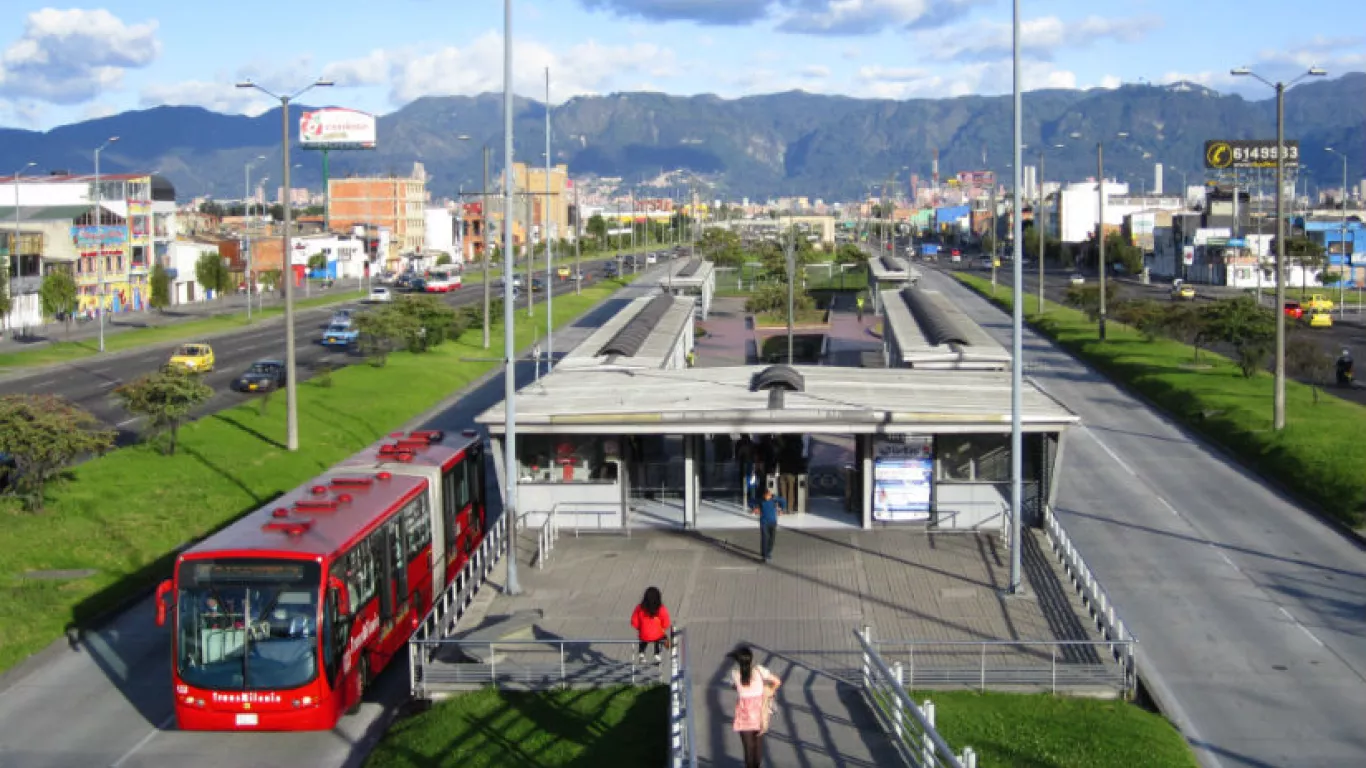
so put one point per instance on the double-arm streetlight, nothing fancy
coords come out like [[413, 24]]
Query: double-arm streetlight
[[246, 226], [13, 251], [1342, 238], [1278, 401], [99, 240], [291, 386], [1100, 224]]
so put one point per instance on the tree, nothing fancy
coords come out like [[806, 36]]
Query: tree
[[989, 244], [1119, 251], [849, 253], [1188, 324], [6, 300], [772, 298], [165, 398], [317, 262], [269, 279], [1245, 325], [58, 295], [1309, 360], [212, 274], [597, 226], [383, 330], [42, 435], [443, 259], [1309, 254], [1087, 297], [1148, 317], [160, 298]]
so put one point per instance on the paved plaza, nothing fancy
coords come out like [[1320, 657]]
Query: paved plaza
[[799, 613]]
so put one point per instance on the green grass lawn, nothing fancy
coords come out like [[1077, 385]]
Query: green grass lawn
[[66, 351], [474, 273], [1043, 731], [1317, 456], [124, 513], [494, 729]]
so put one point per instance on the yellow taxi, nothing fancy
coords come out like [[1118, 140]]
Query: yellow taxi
[[1320, 320], [195, 358], [563, 272], [1183, 292], [1319, 303]]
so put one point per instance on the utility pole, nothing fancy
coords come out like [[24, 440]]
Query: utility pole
[[530, 243], [1100, 230], [510, 473], [549, 240], [578, 235], [1039, 223], [488, 251], [791, 281], [1017, 334]]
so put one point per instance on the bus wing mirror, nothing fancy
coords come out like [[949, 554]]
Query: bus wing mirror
[[163, 590], [343, 597]]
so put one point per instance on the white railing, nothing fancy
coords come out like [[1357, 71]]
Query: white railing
[[570, 516], [546, 536], [457, 665], [1084, 667], [1101, 607], [450, 605], [910, 727], [682, 735]]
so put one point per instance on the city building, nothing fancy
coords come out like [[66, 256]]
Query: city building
[[549, 213], [393, 203]]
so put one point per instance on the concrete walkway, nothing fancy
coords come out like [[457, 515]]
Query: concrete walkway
[[799, 614]]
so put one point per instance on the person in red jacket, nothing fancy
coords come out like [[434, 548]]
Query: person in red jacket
[[651, 620]]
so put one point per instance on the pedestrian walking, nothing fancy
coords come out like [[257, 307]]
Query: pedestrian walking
[[755, 688], [651, 621], [767, 510], [859, 302]]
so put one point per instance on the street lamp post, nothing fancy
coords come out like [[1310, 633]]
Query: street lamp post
[[99, 249], [1039, 223], [1342, 237], [1278, 402], [287, 267], [1100, 227], [510, 473], [791, 281], [246, 228], [13, 252], [549, 241], [1017, 333]]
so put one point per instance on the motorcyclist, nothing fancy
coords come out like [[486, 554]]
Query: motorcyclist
[[1345, 369]]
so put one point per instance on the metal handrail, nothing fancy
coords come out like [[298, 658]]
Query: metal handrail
[[682, 734], [914, 737], [1074, 673], [546, 536], [534, 664], [1102, 608], [455, 598]]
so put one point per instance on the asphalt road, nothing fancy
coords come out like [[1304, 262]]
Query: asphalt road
[[106, 700], [1249, 611], [1349, 333], [90, 382]]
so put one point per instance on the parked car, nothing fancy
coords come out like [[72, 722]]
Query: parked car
[[340, 335], [262, 376], [1293, 310], [380, 295], [195, 358], [1077, 280]]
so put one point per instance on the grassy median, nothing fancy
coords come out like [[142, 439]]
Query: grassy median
[[620, 726], [67, 351], [1009, 730], [1318, 454], [122, 515]]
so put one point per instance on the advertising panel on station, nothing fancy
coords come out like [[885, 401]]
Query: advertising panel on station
[[903, 478]]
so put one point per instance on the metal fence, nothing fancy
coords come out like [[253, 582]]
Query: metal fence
[[682, 733], [451, 604], [910, 727], [534, 665], [1098, 603], [1079, 667]]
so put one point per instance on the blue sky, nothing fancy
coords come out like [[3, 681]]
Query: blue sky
[[60, 64]]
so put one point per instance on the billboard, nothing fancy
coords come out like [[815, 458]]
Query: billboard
[[336, 128], [903, 478], [91, 236], [1221, 154]]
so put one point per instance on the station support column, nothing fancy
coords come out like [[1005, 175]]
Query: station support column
[[690, 481], [866, 457]]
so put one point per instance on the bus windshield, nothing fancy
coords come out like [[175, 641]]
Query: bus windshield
[[248, 624]]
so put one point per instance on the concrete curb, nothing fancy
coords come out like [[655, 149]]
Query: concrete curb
[[1204, 441]]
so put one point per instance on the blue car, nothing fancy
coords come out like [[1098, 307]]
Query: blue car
[[340, 335]]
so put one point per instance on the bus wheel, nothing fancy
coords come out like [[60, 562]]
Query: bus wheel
[[363, 675]]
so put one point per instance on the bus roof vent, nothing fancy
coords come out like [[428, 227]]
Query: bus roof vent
[[352, 482], [427, 435], [290, 528], [315, 505]]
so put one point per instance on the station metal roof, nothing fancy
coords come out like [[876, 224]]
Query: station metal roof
[[689, 274], [890, 269], [833, 401], [655, 332], [931, 332]]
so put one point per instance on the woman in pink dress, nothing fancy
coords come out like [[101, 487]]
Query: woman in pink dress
[[755, 687]]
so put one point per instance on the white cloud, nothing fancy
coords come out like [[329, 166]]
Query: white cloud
[[1040, 37], [816, 71], [587, 68], [67, 57], [862, 17], [974, 78], [96, 110], [21, 114], [216, 96], [892, 74], [1111, 82]]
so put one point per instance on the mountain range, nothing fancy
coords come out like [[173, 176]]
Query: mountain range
[[792, 143]]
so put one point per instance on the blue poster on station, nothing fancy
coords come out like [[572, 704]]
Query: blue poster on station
[[903, 479]]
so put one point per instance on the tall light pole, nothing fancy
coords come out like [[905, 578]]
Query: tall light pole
[[1017, 333], [549, 241], [1100, 226], [791, 280], [1039, 224], [99, 244], [246, 228], [14, 244], [1342, 241], [1278, 401], [287, 267], [488, 252], [510, 472]]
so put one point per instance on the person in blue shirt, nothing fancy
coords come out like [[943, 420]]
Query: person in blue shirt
[[767, 510]]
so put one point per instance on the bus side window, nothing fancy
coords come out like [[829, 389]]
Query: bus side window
[[398, 550], [449, 511], [380, 540]]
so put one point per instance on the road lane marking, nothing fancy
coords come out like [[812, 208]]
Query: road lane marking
[[126, 422], [1303, 628], [145, 739], [1168, 505], [1113, 455]]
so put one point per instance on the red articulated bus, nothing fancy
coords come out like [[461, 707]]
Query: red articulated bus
[[281, 620]]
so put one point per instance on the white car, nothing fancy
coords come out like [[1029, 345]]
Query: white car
[[651, 258], [1078, 280], [380, 295]]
